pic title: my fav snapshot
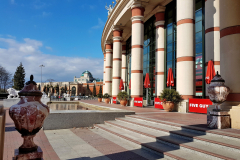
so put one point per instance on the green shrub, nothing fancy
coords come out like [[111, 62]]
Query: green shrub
[[106, 95], [122, 95], [170, 95], [99, 95]]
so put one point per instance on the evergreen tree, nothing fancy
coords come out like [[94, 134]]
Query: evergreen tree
[[39, 88], [65, 89], [94, 90], [19, 77], [88, 87], [100, 90]]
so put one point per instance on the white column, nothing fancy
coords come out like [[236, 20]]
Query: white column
[[108, 69], [117, 61], [104, 64], [124, 65], [212, 33], [230, 47], [137, 50], [159, 64], [186, 48]]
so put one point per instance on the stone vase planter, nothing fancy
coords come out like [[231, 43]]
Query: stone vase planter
[[217, 91], [168, 106], [28, 115], [99, 99], [107, 100], [123, 102]]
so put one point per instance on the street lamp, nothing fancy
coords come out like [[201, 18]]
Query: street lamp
[[41, 73]]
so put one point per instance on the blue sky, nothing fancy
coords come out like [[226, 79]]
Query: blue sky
[[64, 35]]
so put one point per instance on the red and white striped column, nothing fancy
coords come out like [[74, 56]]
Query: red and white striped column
[[117, 61], [230, 47], [137, 50], [108, 68], [104, 64], [186, 48], [159, 64], [212, 33], [124, 64]]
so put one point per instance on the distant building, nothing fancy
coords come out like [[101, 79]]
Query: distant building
[[75, 88], [86, 77]]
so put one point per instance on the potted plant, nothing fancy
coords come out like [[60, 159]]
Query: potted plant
[[122, 97], [99, 95], [170, 97], [106, 98]]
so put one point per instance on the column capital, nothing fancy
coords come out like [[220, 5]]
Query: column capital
[[137, 18], [159, 23], [138, 4], [108, 42], [117, 38]]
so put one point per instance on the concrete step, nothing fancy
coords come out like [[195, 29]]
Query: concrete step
[[202, 149], [215, 132], [218, 140], [135, 148], [149, 143]]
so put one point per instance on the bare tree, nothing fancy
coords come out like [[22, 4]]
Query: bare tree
[[5, 79]]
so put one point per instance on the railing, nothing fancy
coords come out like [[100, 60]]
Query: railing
[[61, 98]]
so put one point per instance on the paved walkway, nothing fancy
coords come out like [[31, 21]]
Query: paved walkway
[[94, 144], [13, 140]]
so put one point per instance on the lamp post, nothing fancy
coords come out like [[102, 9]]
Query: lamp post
[[41, 74]]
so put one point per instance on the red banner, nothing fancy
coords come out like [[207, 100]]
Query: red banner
[[138, 102], [199, 105], [158, 103], [114, 99]]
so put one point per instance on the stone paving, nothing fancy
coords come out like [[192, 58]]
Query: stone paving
[[82, 143], [13, 140]]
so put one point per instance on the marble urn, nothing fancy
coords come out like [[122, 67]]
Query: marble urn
[[217, 91], [29, 114]]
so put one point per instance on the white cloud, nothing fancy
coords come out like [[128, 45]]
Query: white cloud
[[99, 25], [44, 14], [12, 2], [59, 68], [49, 48]]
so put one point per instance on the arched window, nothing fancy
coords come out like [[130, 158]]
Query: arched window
[[73, 91]]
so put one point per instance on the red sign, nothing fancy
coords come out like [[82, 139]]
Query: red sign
[[114, 100], [158, 103], [138, 102], [199, 105]]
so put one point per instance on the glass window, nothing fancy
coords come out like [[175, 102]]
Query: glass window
[[149, 55]]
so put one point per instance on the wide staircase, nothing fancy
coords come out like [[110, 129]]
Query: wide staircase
[[173, 141]]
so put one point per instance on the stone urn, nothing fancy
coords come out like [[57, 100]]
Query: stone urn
[[217, 91], [168, 106], [28, 115]]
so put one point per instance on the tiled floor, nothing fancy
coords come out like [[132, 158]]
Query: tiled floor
[[90, 144], [13, 140]]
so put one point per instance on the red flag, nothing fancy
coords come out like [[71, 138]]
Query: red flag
[[147, 81], [129, 84], [170, 79], [121, 86], [210, 72]]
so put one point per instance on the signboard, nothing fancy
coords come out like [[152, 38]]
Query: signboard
[[199, 105], [114, 100], [158, 103], [138, 101]]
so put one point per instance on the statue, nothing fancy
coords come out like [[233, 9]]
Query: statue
[[12, 93], [110, 8], [66, 95], [44, 95]]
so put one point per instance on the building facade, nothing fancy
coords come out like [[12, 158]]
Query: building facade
[[76, 88], [151, 36]]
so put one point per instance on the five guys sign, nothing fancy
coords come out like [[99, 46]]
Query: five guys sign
[[199, 105], [138, 102]]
